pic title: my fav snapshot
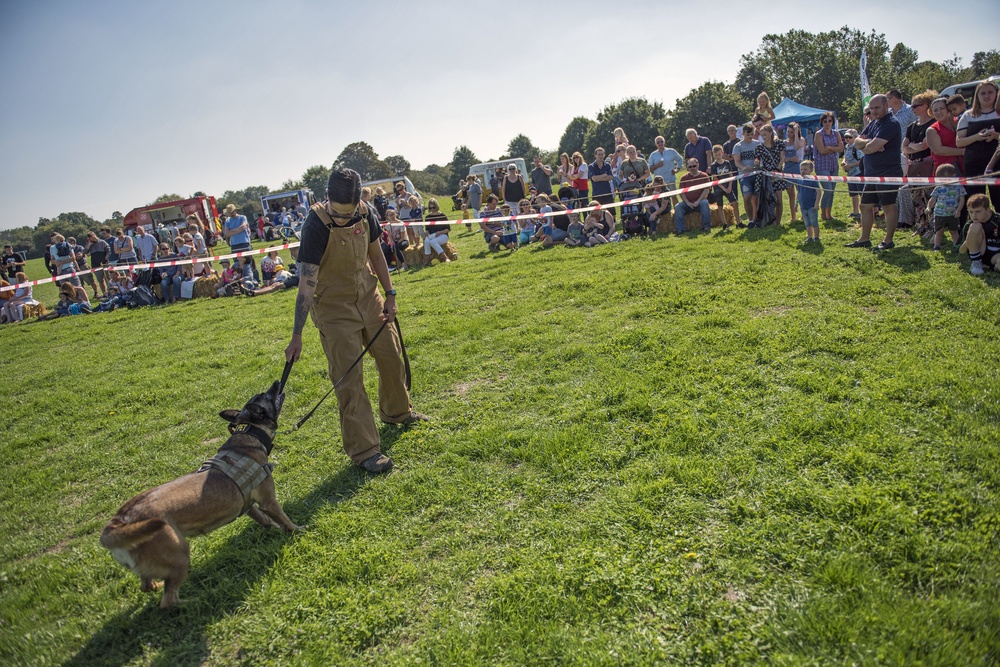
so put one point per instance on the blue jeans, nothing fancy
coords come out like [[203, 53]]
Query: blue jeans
[[811, 217], [827, 199], [682, 209]]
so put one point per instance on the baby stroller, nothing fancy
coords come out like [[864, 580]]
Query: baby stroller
[[635, 221]]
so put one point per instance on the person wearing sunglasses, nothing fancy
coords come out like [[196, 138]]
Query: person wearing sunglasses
[[829, 145], [340, 266]]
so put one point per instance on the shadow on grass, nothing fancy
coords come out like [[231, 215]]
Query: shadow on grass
[[908, 259], [215, 588], [769, 233]]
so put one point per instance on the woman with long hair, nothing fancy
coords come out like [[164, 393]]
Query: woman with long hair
[[579, 178], [565, 166], [977, 131], [795, 147]]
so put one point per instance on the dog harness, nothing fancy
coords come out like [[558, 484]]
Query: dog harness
[[242, 469]]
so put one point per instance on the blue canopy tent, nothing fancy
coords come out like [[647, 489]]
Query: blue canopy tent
[[807, 117]]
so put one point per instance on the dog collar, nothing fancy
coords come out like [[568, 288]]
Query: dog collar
[[266, 438]]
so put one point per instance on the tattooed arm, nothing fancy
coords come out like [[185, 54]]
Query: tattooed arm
[[307, 285]]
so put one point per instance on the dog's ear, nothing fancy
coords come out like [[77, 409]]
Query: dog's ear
[[230, 415]]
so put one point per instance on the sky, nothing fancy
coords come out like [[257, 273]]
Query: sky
[[108, 105]]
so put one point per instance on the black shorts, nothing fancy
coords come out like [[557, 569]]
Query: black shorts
[[883, 194], [719, 197]]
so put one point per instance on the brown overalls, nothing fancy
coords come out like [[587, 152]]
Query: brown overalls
[[347, 310]]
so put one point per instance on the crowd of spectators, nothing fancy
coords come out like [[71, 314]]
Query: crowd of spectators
[[931, 135], [114, 284]]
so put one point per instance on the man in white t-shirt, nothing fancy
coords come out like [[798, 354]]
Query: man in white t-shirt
[[665, 162], [145, 244]]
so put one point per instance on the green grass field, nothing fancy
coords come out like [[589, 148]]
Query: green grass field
[[717, 449]]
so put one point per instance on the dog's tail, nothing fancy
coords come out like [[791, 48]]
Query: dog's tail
[[120, 535]]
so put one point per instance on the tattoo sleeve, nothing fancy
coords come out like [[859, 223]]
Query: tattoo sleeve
[[307, 276]]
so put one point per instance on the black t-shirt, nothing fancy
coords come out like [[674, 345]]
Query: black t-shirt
[[727, 148], [431, 229], [916, 133], [560, 221], [720, 171], [315, 235], [8, 262]]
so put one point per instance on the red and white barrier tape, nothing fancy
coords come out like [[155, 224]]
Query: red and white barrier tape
[[151, 265], [585, 209], [897, 180]]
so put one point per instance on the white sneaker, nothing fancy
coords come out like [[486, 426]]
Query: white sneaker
[[977, 268]]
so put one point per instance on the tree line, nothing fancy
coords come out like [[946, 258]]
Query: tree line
[[815, 69]]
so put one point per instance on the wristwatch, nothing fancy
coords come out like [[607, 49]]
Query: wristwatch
[[390, 292]]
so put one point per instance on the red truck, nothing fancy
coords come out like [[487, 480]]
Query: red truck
[[171, 212]]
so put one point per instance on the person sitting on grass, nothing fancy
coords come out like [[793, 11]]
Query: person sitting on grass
[[73, 300], [282, 280], [594, 228], [245, 268], [492, 231], [437, 235], [113, 301], [229, 279], [13, 308], [526, 226], [270, 265], [947, 202], [982, 235], [574, 232]]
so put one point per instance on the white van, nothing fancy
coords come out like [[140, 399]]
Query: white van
[[389, 185], [484, 170]]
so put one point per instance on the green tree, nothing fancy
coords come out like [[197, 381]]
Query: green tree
[[290, 184], [640, 119], [428, 183], [927, 75], [901, 61], [750, 82], [363, 159], [20, 238], [246, 201], [574, 135], [75, 224], [165, 198], [521, 146], [985, 63], [710, 108], [398, 165], [315, 178], [461, 160], [817, 69]]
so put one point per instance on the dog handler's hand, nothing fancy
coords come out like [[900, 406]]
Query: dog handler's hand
[[294, 349], [389, 312]]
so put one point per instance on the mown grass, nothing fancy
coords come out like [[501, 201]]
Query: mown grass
[[718, 449]]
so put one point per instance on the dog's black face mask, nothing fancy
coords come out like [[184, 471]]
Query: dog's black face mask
[[262, 409]]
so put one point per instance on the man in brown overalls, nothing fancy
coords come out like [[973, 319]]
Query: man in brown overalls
[[340, 251]]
